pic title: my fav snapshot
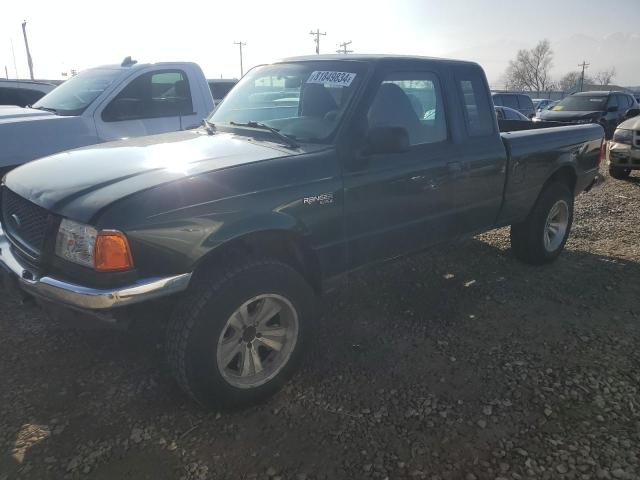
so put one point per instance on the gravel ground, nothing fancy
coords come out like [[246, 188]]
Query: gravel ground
[[455, 364]]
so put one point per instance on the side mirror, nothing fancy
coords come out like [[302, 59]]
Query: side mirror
[[632, 112], [612, 109], [387, 140]]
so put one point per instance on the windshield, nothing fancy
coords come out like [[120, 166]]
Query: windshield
[[77, 93], [305, 101], [581, 103]]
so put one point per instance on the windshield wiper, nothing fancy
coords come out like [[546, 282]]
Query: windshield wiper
[[290, 142], [46, 109]]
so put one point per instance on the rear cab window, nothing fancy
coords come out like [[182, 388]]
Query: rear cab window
[[473, 91]]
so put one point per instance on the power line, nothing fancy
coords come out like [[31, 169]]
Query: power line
[[240, 44], [316, 39], [343, 47], [584, 65]]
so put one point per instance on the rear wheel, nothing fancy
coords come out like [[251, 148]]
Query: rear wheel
[[239, 334], [619, 173], [541, 237]]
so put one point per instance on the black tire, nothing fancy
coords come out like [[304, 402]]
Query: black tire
[[201, 316], [619, 173], [527, 237]]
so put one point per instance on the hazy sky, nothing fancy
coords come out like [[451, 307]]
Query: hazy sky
[[66, 34]]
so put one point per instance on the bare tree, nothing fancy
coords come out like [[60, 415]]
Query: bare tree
[[572, 79], [530, 69], [604, 77]]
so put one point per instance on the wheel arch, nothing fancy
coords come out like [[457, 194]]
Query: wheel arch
[[282, 242], [564, 174]]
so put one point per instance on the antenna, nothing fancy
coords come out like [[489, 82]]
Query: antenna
[[128, 62], [13, 52]]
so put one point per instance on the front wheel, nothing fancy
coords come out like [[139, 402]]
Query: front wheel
[[619, 173], [238, 335], [541, 237]]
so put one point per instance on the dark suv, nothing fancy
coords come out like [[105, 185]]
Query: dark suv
[[606, 108], [517, 101]]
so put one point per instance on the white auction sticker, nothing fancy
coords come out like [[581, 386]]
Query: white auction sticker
[[333, 79]]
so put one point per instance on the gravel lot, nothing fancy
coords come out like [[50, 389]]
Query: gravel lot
[[455, 364]]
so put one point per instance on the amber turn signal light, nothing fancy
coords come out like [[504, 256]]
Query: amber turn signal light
[[112, 252]]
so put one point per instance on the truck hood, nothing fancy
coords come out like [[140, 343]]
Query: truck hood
[[567, 116], [78, 184], [631, 124], [10, 113], [27, 134]]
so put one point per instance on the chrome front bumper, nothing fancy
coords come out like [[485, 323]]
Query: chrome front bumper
[[78, 296]]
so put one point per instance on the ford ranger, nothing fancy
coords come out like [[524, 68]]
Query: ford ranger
[[102, 104], [311, 168]]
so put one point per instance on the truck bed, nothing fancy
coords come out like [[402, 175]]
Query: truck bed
[[535, 153]]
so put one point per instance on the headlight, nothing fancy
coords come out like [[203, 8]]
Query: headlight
[[623, 136], [76, 242], [104, 250]]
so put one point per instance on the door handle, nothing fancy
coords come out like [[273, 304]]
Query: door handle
[[454, 168]]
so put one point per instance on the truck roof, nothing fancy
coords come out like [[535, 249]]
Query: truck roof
[[139, 65], [596, 93], [371, 57]]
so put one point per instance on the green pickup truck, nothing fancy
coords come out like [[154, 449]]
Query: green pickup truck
[[311, 168]]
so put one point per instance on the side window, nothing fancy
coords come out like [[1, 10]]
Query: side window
[[413, 101], [152, 95], [511, 115], [497, 100], [613, 101], [625, 101], [477, 110], [220, 89]]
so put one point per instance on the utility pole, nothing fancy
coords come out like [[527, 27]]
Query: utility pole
[[26, 44], [584, 65], [316, 39], [343, 47], [6, 72], [240, 44]]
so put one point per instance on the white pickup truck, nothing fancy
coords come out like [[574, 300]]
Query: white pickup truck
[[102, 104]]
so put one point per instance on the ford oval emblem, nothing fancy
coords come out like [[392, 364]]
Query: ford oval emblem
[[16, 220]]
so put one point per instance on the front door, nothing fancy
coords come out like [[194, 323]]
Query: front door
[[399, 202]]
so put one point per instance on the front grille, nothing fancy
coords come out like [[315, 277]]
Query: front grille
[[24, 222]]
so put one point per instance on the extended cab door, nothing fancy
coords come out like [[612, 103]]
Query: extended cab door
[[483, 162], [399, 202], [151, 102]]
